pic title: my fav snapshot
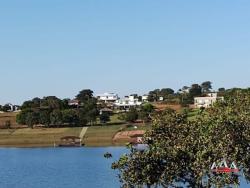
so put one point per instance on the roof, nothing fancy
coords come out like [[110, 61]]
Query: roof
[[106, 110], [107, 94]]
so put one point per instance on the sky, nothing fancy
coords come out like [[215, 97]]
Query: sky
[[59, 47]]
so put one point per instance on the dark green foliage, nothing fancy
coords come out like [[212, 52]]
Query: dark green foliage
[[6, 108], [85, 95], [70, 117], [56, 117], [166, 93], [184, 151], [104, 117], [145, 111], [32, 119], [206, 86], [131, 115], [52, 111]]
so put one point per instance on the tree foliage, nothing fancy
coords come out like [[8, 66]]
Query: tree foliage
[[181, 152], [52, 111]]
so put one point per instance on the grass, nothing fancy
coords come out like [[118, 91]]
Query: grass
[[102, 135], [39, 137]]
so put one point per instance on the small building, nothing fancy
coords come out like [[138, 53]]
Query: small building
[[126, 103], [206, 101]]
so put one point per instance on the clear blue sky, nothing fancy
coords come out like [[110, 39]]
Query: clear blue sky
[[58, 47]]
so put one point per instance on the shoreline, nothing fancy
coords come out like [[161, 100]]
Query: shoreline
[[51, 146]]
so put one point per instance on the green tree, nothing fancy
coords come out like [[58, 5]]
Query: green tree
[[85, 95], [6, 108], [183, 151], [44, 117], [145, 111], [32, 119], [70, 116], [195, 91], [153, 96], [21, 117], [131, 115], [166, 93], [104, 117], [206, 86], [56, 118]]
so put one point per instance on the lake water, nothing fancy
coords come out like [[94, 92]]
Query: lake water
[[59, 168]]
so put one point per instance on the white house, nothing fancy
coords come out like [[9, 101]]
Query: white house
[[108, 97], [127, 103], [144, 98], [206, 101]]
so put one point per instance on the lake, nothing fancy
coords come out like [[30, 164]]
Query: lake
[[60, 168]]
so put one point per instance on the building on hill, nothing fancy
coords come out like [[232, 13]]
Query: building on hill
[[126, 103], [107, 98], [206, 101]]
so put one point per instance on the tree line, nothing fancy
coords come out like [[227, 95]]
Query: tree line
[[54, 112], [183, 96]]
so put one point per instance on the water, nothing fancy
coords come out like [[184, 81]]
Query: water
[[60, 168]]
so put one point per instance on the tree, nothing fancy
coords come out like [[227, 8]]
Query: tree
[[44, 117], [222, 89], [70, 117], [90, 111], [206, 86], [21, 117], [56, 117], [104, 117], [6, 108], [85, 95], [132, 115], [195, 90], [153, 96], [165, 92], [32, 119], [183, 151], [145, 111]]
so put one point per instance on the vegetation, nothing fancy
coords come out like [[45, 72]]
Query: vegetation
[[181, 152], [54, 112], [38, 137]]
